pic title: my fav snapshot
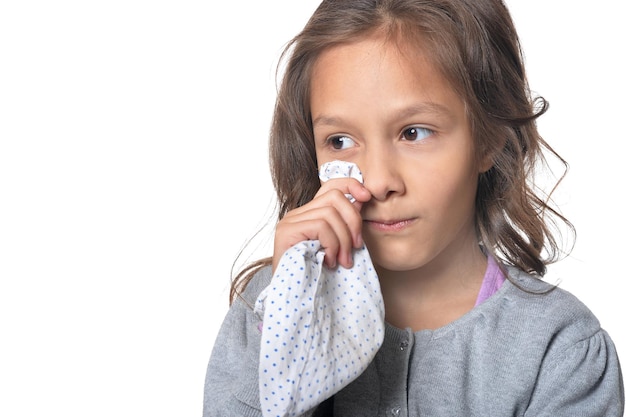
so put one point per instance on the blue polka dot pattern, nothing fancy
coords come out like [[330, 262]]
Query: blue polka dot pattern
[[321, 327]]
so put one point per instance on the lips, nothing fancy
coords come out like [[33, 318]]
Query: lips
[[389, 225]]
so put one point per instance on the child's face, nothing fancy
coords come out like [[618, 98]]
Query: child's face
[[399, 120]]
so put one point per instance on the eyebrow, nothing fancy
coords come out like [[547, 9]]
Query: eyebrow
[[413, 110], [426, 108]]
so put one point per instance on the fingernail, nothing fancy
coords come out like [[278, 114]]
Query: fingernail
[[359, 241]]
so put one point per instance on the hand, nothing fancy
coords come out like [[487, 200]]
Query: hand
[[329, 218]]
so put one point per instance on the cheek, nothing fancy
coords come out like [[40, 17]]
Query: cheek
[[452, 184], [322, 155]]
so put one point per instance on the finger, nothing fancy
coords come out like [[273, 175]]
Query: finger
[[337, 225], [320, 224], [335, 198], [330, 236], [347, 186]]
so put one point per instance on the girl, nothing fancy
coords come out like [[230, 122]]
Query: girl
[[429, 99]]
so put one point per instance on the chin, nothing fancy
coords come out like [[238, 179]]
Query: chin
[[397, 261]]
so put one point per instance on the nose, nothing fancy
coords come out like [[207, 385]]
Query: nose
[[381, 174]]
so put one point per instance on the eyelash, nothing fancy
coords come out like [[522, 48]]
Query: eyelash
[[428, 132], [333, 140]]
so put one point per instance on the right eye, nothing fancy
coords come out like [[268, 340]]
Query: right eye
[[340, 142]]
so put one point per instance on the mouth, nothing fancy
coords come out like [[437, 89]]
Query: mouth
[[389, 225]]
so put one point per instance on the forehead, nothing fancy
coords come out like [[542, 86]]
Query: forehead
[[407, 44], [381, 67]]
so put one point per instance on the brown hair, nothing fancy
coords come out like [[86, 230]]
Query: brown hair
[[475, 45]]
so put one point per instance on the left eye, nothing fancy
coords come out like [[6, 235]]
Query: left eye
[[341, 142], [415, 134]]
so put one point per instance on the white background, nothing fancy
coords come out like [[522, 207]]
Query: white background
[[133, 167]]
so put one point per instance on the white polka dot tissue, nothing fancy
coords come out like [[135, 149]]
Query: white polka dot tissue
[[321, 327]]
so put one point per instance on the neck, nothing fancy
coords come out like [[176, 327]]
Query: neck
[[435, 294]]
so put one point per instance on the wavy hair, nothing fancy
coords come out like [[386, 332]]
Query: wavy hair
[[476, 47]]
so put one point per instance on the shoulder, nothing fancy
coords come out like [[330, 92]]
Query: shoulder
[[241, 325], [258, 283], [231, 385], [544, 300], [542, 311], [578, 367]]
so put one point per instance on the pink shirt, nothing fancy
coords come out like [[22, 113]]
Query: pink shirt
[[493, 280]]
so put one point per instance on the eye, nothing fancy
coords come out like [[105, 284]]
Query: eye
[[340, 142], [415, 134]]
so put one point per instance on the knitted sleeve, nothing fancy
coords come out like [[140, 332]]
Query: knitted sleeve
[[582, 379], [232, 380]]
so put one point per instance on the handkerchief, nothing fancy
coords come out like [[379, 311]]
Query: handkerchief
[[321, 327]]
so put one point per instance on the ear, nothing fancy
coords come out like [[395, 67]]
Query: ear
[[485, 158], [485, 162]]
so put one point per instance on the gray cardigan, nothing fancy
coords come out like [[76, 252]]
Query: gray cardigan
[[530, 352]]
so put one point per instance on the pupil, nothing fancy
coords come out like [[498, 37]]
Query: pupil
[[411, 133], [338, 143]]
